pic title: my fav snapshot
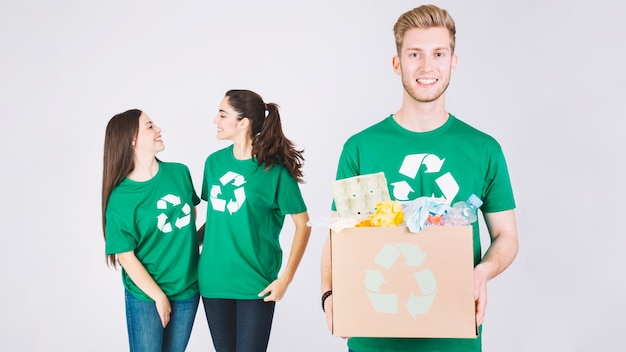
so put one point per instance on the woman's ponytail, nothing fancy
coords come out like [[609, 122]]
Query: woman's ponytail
[[270, 146]]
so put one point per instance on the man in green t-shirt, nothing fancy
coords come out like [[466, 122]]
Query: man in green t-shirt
[[425, 151]]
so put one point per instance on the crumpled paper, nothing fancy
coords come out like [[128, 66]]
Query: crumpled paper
[[423, 211], [387, 214]]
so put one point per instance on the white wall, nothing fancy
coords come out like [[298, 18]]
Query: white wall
[[546, 78]]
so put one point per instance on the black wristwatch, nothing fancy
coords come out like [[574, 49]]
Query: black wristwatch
[[324, 296]]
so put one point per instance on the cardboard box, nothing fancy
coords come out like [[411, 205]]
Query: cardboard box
[[389, 282]]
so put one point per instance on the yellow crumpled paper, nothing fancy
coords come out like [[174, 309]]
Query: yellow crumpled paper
[[387, 214]]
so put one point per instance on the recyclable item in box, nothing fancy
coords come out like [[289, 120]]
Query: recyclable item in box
[[357, 196]]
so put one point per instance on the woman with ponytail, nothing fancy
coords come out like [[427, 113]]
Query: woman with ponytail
[[250, 186]]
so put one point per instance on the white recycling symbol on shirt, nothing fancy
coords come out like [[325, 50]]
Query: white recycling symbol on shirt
[[240, 195], [410, 167], [389, 302], [162, 220]]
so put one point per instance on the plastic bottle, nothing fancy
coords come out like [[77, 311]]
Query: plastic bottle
[[469, 209]]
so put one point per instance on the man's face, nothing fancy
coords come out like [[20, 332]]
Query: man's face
[[425, 63]]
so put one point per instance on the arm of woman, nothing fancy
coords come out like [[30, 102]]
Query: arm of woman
[[146, 283], [277, 288], [199, 231], [201, 234]]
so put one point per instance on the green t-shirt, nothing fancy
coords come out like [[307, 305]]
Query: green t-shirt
[[453, 161], [246, 209], [156, 220]]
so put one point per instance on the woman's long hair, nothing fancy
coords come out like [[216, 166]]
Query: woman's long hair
[[118, 158], [270, 146]]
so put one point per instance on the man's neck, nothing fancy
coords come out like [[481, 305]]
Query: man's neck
[[421, 117]]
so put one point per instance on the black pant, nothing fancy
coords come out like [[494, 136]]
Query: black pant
[[239, 325]]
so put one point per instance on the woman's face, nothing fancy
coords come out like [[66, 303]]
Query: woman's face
[[229, 125], [148, 138]]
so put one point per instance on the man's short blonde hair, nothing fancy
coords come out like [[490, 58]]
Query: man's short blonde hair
[[424, 17]]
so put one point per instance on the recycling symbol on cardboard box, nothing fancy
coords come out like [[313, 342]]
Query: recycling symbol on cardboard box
[[408, 254]]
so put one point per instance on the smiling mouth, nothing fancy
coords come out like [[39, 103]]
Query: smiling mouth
[[426, 80]]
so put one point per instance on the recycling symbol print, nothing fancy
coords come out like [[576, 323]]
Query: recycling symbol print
[[390, 256], [410, 167], [163, 222], [239, 194]]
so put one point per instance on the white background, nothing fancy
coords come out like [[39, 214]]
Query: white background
[[545, 78]]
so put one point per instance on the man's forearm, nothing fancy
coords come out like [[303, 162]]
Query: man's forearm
[[326, 268]]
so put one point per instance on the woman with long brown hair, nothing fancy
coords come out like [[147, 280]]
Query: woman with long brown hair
[[250, 186], [148, 219]]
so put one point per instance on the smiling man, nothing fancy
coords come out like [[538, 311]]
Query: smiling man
[[472, 162]]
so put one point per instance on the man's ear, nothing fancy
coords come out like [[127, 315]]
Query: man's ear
[[455, 59], [395, 62]]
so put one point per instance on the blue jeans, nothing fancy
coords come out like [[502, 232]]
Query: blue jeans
[[239, 325], [145, 331]]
